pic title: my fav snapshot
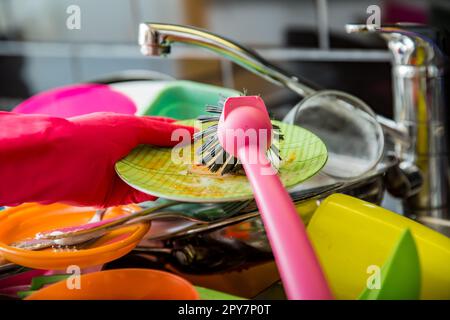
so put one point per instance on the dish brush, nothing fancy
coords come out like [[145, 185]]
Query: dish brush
[[240, 137]]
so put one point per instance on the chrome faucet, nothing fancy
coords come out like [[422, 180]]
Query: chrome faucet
[[419, 107], [156, 39], [418, 129]]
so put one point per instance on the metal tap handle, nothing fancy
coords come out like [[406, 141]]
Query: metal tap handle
[[156, 39], [407, 45], [417, 70]]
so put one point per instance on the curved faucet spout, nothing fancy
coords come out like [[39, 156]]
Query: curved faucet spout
[[156, 39]]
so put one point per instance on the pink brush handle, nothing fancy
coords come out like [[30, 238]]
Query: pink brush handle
[[298, 265]]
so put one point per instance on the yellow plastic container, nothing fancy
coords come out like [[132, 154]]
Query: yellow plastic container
[[350, 235]]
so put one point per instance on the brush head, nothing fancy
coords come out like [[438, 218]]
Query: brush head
[[244, 122], [236, 122]]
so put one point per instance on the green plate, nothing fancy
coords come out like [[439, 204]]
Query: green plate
[[186, 99], [210, 294], [151, 169]]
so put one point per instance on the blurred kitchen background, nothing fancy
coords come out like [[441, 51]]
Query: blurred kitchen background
[[307, 37]]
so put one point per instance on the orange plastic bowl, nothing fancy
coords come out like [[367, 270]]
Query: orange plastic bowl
[[25, 221], [121, 284]]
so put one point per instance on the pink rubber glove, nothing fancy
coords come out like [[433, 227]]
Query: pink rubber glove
[[46, 159]]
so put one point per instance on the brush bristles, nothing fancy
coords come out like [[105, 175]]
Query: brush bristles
[[214, 156]]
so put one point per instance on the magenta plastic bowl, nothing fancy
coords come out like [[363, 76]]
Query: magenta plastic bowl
[[75, 100]]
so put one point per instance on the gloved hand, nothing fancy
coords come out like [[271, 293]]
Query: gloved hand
[[46, 159]]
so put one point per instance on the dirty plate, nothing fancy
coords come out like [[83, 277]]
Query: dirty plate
[[171, 173], [26, 220]]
